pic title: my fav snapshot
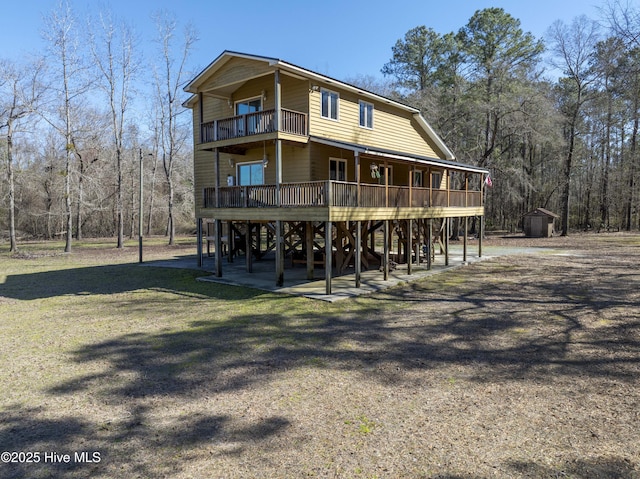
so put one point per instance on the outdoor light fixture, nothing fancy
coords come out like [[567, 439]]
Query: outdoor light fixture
[[232, 163]]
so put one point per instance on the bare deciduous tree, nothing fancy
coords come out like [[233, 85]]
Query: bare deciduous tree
[[68, 83], [19, 96], [573, 46], [113, 52], [169, 76]]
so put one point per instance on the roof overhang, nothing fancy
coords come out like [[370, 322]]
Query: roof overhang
[[399, 156]]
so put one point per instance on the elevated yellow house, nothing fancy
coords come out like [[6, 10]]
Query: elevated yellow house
[[295, 162]]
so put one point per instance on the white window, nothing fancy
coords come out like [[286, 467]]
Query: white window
[[330, 100], [417, 178], [337, 169], [366, 114], [436, 180], [250, 173]]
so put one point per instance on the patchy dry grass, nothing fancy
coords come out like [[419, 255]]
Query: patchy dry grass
[[522, 366]]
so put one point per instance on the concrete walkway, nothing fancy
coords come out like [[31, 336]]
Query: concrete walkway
[[295, 282]]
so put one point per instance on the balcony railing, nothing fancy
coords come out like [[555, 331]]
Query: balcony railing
[[337, 193], [255, 123]]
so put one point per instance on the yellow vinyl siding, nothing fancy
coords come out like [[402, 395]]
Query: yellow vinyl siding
[[195, 110], [296, 164], [236, 70], [295, 168], [204, 176], [214, 109], [393, 128], [320, 156], [295, 93], [254, 88]]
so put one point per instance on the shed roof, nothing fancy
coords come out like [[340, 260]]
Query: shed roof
[[542, 211]]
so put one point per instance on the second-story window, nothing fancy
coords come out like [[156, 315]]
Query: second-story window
[[330, 104], [248, 106], [250, 124], [366, 114]]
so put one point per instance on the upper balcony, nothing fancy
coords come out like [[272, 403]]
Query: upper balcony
[[252, 124]]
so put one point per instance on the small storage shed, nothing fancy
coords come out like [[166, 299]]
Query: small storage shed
[[539, 223]]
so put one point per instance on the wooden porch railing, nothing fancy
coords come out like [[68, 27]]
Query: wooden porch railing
[[255, 123], [337, 193]]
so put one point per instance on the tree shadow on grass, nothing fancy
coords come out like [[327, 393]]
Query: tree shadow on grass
[[498, 324], [493, 331], [112, 447], [596, 468], [27, 431], [491, 343], [114, 279]]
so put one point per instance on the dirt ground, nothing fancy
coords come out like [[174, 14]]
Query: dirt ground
[[518, 366]]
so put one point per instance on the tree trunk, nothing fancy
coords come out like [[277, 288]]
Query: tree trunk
[[119, 213], [632, 162], [171, 227], [152, 193], [67, 200], [604, 186], [566, 186], [69, 145], [80, 201], [12, 205]]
